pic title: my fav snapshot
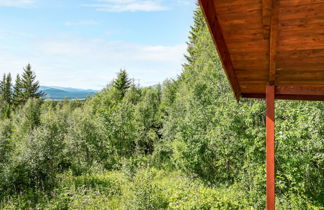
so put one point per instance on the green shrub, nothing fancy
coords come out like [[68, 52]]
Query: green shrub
[[144, 193], [146, 189]]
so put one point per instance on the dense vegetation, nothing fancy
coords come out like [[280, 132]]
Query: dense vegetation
[[185, 144], [13, 96]]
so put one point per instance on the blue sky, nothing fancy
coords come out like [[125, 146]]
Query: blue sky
[[84, 43]]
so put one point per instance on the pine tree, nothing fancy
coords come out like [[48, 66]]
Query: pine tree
[[122, 83], [196, 32], [17, 92], [2, 86], [29, 85], [8, 89], [5, 96], [3, 105]]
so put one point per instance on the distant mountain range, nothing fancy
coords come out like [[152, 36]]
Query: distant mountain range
[[61, 93]]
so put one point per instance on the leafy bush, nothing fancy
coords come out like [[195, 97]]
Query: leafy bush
[[184, 145]]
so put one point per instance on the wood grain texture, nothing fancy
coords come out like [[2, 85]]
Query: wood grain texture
[[273, 42], [269, 41], [266, 17], [270, 147], [299, 90]]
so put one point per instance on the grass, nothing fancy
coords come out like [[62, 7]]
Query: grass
[[145, 189]]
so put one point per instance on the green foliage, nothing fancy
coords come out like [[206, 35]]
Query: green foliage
[[122, 84], [117, 128], [300, 148], [186, 144], [17, 92], [6, 147], [28, 117], [6, 96], [147, 189], [206, 133], [7, 91], [148, 120], [11, 97], [84, 144], [29, 85]]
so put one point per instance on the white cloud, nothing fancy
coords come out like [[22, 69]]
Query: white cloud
[[117, 51], [128, 5], [93, 63], [16, 3], [81, 23]]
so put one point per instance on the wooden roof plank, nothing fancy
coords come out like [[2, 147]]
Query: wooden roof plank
[[286, 97], [290, 3], [300, 90], [297, 54], [273, 42], [302, 11], [266, 17], [262, 42]]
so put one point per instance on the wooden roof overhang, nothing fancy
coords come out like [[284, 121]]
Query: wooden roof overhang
[[270, 42]]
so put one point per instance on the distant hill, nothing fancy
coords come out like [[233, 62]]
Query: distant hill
[[61, 93]]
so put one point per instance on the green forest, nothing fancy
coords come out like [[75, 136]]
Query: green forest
[[183, 144]]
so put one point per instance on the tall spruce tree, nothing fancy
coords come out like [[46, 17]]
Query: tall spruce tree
[[29, 85], [2, 101], [197, 30], [122, 83], [17, 92], [2, 87], [5, 96], [8, 89]]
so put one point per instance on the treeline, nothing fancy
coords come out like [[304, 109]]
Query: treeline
[[184, 144], [12, 96]]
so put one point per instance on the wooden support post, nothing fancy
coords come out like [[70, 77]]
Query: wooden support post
[[270, 146]]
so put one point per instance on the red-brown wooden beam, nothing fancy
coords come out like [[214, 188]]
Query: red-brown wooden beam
[[286, 97], [270, 146], [300, 90], [208, 9], [293, 92]]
